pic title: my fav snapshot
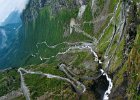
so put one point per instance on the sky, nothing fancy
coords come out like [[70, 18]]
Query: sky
[[8, 6]]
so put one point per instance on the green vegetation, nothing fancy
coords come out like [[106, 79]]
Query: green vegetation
[[105, 39], [80, 58], [38, 85], [9, 81], [88, 13], [88, 28], [100, 5], [50, 27], [134, 69], [77, 37]]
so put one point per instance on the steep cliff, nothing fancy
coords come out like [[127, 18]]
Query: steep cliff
[[89, 47]]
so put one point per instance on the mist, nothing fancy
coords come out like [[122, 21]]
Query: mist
[[8, 6]]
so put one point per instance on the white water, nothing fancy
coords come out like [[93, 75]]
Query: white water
[[81, 11], [121, 33], [72, 23], [114, 13], [81, 47], [112, 40], [4, 39], [93, 2], [106, 95]]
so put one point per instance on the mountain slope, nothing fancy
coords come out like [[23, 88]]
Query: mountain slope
[[13, 18], [77, 50]]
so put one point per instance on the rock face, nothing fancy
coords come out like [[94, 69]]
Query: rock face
[[32, 12], [86, 36], [131, 27], [130, 34], [33, 7], [11, 95]]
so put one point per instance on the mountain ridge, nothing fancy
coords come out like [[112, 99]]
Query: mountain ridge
[[54, 35]]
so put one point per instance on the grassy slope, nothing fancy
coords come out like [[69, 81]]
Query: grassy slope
[[51, 29]]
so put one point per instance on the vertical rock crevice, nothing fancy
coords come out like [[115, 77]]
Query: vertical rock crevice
[[130, 32]]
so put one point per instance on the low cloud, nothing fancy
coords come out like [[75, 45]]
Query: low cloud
[[8, 6]]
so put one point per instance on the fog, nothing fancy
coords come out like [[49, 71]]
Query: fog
[[8, 6]]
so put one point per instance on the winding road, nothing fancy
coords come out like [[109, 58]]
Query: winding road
[[89, 47]]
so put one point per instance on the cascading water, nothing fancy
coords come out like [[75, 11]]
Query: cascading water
[[3, 39]]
